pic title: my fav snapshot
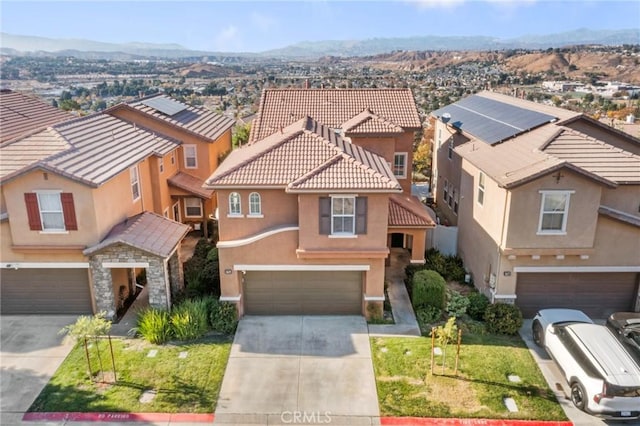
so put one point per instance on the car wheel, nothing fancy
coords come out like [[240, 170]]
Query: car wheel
[[538, 334], [578, 396]]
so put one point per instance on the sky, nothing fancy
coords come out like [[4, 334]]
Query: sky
[[256, 26]]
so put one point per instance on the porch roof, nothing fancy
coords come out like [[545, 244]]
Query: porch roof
[[146, 231], [190, 184], [407, 211]]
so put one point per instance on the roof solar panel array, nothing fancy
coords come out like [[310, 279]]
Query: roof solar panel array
[[164, 105], [492, 121]]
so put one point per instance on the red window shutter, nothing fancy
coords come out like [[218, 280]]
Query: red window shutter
[[33, 211], [69, 211]]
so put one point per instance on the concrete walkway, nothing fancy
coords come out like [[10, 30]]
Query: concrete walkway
[[129, 320], [282, 367], [403, 315]]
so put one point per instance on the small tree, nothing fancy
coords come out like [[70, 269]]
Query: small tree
[[87, 327], [445, 334]]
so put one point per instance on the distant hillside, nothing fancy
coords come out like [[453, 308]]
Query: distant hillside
[[576, 63], [19, 45]]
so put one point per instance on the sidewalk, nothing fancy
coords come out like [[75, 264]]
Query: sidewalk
[[403, 315]]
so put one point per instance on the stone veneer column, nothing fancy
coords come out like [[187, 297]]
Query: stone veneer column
[[176, 274], [156, 282], [102, 282]]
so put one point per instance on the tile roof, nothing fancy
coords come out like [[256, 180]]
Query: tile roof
[[548, 148], [21, 114], [408, 211], [305, 156], [619, 215], [190, 184], [596, 156], [146, 231], [332, 107], [368, 123], [197, 120], [91, 149]]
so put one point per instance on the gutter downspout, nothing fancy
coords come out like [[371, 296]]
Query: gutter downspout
[[507, 200]]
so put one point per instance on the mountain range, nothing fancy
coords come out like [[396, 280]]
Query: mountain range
[[12, 44]]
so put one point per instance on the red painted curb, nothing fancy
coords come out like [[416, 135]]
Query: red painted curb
[[423, 421], [119, 417]]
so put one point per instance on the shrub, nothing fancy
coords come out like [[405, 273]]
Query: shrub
[[201, 272], [189, 320], [450, 267], [478, 303], [223, 317], [429, 289], [153, 325], [503, 318], [457, 304], [427, 317]]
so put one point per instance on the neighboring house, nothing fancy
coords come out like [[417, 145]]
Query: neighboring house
[[88, 203], [309, 208], [547, 203], [21, 114]]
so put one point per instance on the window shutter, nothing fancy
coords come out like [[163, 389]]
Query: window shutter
[[69, 211], [33, 211], [325, 215], [361, 215]]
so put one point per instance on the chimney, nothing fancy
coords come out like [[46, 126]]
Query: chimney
[[306, 84]]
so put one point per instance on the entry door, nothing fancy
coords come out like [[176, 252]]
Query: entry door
[[176, 212]]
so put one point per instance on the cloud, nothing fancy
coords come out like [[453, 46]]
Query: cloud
[[262, 22], [436, 4], [228, 39]]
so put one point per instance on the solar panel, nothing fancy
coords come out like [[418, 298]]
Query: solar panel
[[164, 105], [492, 121]]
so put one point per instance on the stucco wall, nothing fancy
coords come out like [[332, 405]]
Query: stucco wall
[[582, 217], [625, 198]]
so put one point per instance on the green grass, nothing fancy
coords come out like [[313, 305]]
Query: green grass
[[189, 385], [406, 387]]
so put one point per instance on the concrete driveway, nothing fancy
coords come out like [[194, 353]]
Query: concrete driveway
[[560, 387], [31, 351], [299, 369]]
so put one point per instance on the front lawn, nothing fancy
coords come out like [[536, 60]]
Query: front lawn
[[406, 387], [188, 384]]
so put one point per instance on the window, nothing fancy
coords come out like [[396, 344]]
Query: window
[[51, 211], [135, 182], [452, 193], [193, 207], [343, 215], [161, 165], [166, 213], [173, 157], [446, 191], [450, 150], [455, 202], [190, 157], [400, 164], [234, 204], [481, 189], [255, 207], [553, 212]]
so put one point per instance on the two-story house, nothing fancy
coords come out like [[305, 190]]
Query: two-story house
[[88, 203], [309, 208], [546, 202]]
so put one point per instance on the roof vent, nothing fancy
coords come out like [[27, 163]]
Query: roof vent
[[446, 117]]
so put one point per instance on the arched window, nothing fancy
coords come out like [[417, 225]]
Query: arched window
[[234, 204], [255, 207]]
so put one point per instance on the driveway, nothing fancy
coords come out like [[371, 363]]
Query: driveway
[[557, 383], [31, 351], [317, 368]]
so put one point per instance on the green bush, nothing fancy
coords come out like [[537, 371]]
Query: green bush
[[503, 318], [457, 304], [450, 267], [202, 271], [478, 303], [427, 317], [223, 317], [429, 289], [154, 325], [189, 320]]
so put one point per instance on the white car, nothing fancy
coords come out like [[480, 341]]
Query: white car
[[603, 377]]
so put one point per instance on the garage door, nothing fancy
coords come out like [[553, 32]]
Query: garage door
[[303, 293], [45, 291], [597, 294]]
